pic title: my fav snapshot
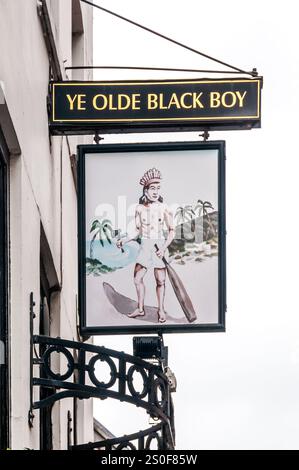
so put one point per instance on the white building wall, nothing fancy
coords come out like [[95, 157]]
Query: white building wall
[[24, 258], [42, 191]]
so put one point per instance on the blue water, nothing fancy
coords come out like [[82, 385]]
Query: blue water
[[112, 256]]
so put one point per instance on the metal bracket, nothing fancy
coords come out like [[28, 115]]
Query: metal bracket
[[97, 138], [31, 319], [142, 441], [69, 429], [83, 361], [48, 34], [205, 135], [150, 348]]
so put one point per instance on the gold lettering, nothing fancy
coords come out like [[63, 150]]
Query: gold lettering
[[123, 101], [111, 107], [174, 101], [224, 100], [152, 101], [95, 102], [81, 102], [241, 98], [136, 101], [196, 101], [214, 99], [161, 101], [71, 101], [183, 104]]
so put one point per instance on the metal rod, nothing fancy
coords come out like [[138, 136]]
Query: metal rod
[[167, 69], [31, 318], [163, 36], [119, 440]]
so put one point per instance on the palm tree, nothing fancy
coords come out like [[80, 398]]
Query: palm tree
[[199, 207], [102, 230], [183, 214], [189, 217], [211, 229], [179, 215], [188, 212]]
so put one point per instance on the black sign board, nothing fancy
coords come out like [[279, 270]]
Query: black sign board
[[168, 105]]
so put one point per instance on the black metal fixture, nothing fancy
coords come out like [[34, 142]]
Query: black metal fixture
[[169, 39], [69, 429], [32, 316], [84, 361], [252, 72], [97, 138], [150, 347], [205, 135], [154, 396], [139, 441]]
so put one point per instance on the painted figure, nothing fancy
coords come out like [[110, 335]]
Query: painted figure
[[154, 226]]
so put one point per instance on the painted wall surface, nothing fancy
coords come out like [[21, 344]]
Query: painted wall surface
[[42, 192]]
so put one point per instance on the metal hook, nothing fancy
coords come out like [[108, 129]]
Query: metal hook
[[205, 135], [97, 138]]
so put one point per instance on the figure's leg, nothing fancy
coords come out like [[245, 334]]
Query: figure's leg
[[160, 276], [139, 273]]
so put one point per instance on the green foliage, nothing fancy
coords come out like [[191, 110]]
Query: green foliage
[[96, 268], [102, 229]]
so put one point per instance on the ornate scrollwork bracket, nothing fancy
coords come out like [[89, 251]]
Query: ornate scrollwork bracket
[[83, 377]]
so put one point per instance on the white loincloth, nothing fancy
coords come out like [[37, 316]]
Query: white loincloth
[[147, 255]]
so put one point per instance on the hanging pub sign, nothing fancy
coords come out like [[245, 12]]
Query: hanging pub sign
[[151, 237], [168, 105]]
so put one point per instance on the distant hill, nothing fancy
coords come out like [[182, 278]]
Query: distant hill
[[194, 231]]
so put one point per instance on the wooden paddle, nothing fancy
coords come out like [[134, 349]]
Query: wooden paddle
[[180, 291]]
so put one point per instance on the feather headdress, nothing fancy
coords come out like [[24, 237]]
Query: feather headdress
[[151, 176]]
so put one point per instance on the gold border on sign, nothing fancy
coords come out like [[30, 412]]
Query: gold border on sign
[[257, 116]]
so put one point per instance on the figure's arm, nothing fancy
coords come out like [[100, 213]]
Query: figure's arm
[[135, 233], [169, 221]]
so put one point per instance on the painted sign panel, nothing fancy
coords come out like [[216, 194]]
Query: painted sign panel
[[152, 237], [155, 105]]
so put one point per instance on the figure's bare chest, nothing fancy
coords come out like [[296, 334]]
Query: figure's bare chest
[[152, 215]]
